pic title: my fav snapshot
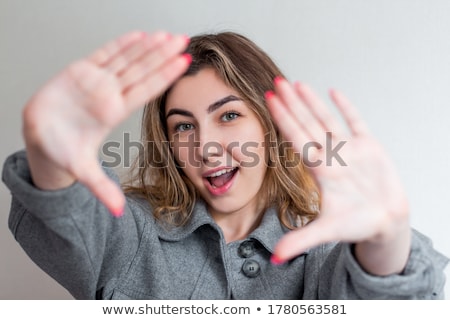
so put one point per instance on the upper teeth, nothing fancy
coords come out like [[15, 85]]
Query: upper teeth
[[220, 172]]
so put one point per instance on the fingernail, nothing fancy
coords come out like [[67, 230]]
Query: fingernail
[[187, 57], [187, 39], [118, 212], [301, 86], [274, 259], [278, 79], [269, 95]]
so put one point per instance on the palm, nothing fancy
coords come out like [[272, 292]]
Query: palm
[[362, 194], [77, 110], [74, 112], [353, 195]]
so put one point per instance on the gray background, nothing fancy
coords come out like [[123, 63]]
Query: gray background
[[390, 57]]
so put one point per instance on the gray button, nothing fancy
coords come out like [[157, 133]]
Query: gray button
[[251, 268], [246, 249]]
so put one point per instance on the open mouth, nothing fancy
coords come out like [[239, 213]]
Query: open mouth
[[220, 178], [220, 181]]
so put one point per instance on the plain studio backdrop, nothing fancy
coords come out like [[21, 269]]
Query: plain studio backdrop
[[391, 58]]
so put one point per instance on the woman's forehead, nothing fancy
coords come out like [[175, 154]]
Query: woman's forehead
[[199, 90]]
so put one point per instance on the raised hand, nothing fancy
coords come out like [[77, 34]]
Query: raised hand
[[66, 121], [363, 200]]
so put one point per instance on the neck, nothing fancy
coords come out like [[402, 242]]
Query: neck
[[237, 225]]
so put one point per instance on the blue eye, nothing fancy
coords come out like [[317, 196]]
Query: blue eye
[[228, 116], [183, 127]]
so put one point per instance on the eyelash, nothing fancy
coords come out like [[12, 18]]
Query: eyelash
[[178, 125], [230, 112]]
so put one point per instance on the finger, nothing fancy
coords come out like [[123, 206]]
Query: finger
[[104, 189], [105, 53], [156, 82], [319, 109], [293, 131], [350, 113], [289, 127], [298, 241], [298, 110], [124, 58], [152, 60]]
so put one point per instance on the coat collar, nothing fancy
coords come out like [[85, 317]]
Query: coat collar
[[200, 217], [268, 232]]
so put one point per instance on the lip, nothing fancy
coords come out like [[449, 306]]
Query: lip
[[210, 172], [220, 190]]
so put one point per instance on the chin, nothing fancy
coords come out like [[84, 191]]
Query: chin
[[223, 205]]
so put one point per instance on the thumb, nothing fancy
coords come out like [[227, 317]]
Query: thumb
[[298, 241], [103, 188]]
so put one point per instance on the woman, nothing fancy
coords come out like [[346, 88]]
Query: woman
[[224, 203]]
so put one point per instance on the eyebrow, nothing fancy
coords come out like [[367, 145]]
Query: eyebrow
[[212, 107]]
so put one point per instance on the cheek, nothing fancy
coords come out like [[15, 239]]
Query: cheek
[[183, 154], [251, 151], [252, 155]]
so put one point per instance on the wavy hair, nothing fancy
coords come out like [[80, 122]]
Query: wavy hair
[[243, 66]]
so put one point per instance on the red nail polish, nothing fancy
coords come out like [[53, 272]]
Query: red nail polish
[[277, 80], [274, 259], [269, 95], [118, 212], [298, 85], [187, 57]]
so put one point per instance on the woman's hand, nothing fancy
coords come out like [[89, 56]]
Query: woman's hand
[[363, 200], [67, 120]]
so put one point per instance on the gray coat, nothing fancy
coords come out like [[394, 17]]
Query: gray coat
[[71, 236]]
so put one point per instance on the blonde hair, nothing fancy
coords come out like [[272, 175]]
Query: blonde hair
[[242, 65]]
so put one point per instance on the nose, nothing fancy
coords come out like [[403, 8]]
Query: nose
[[210, 147]]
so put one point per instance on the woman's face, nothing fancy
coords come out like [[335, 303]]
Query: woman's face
[[218, 142]]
